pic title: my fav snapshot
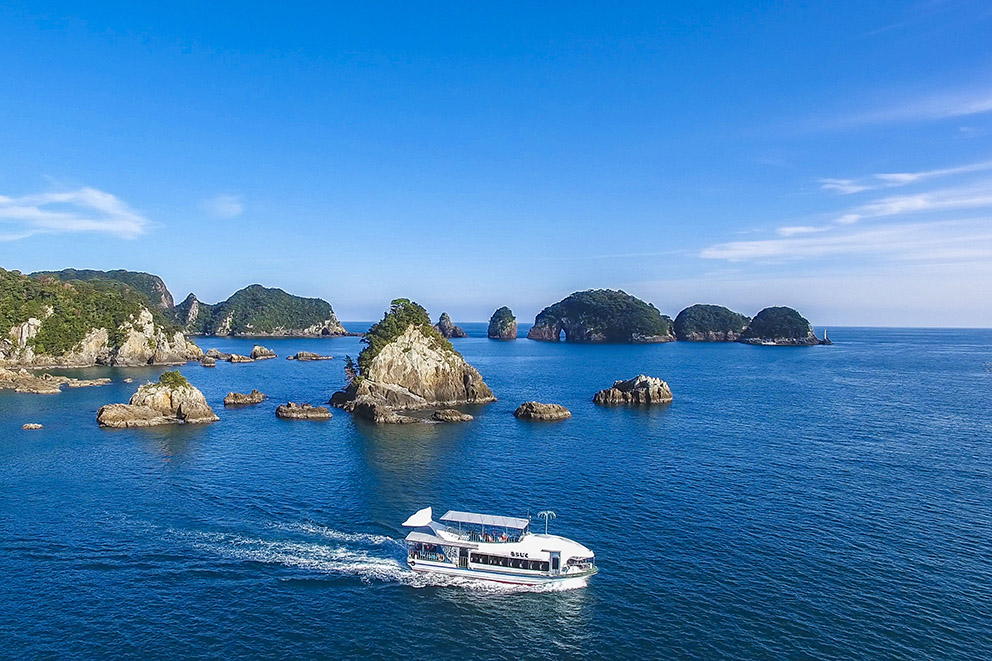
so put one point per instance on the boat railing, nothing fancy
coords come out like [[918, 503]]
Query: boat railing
[[501, 537]]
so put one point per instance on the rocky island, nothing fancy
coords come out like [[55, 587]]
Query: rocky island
[[258, 311], [709, 323], [447, 329], [173, 400], [49, 322], [42, 384], [601, 315], [502, 325], [542, 412], [407, 365], [636, 391], [781, 326]]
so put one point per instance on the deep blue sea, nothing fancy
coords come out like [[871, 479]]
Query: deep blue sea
[[792, 503]]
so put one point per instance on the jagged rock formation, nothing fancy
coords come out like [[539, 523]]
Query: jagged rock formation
[[208, 361], [539, 411], [294, 411], [709, 323], [32, 425], [217, 354], [259, 352], [451, 415], [448, 329], [408, 365], [780, 326], [148, 285], [306, 356], [638, 390], [502, 325], [238, 358], [258, 311], [601, 315], [42, 384], [45, 322], [173, 400], [241, 399]]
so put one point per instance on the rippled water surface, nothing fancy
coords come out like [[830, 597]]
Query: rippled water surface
[[824, 502]]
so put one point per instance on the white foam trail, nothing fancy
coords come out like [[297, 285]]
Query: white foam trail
[[336, 535], [342, 560]]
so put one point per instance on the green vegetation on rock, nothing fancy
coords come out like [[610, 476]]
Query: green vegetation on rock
[[258, 310], [401, 315], [602, 315], [709, 322], [779, 323], [76, 306], [150, 286], [173, 379]]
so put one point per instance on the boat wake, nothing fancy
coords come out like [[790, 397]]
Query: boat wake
[[369, 558]]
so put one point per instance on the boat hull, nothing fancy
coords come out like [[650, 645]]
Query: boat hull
[[428, 567]]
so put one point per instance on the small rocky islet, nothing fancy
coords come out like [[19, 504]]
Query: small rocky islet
[[502, 325], [639, 390], [447, 328], [173, 400]]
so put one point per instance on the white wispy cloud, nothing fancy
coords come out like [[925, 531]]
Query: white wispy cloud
[[224, 206], [939, 240], [936, 106], [85, 210], [894, 179]]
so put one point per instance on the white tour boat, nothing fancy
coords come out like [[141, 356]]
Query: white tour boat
[[494, 548]]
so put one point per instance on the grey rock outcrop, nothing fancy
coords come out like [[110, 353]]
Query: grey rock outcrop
[[42, 384], [413, 371], [32, 425], [208, 361], [242, 399], [451, 415], [238, 358], [217, 354], [539, 411], [502, 325], [305, 356], [448, 329], [639, 390], [259, 352], [294, 411], [159, 404]]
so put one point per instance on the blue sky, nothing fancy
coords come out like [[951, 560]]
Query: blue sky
[[834, 157]]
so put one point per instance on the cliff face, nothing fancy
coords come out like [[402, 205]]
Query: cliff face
[[602, 315], [46, 322], [780, 326], [709, 323], [137, 341], [503, 325], [258, 311]]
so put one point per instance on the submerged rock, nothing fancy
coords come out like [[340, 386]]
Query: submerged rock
[[539, 411], [294, 411], [502, 325], [451, 415], [448, 329], [304, 356], [259, 352], [639, 390], [241, 399], [173, 400], [32, 425]]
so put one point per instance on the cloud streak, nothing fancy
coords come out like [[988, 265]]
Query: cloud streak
[[895, 179], [224, 206], [81, 211]]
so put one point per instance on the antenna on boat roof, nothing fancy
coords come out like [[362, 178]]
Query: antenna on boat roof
[[547, 515]]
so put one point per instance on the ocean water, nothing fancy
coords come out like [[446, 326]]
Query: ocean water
[[801, 503]]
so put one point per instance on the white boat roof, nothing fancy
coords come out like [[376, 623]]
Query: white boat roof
[[486, 520], [426, 538]]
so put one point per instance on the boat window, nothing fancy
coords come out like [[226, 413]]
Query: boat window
[[555, 563]]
